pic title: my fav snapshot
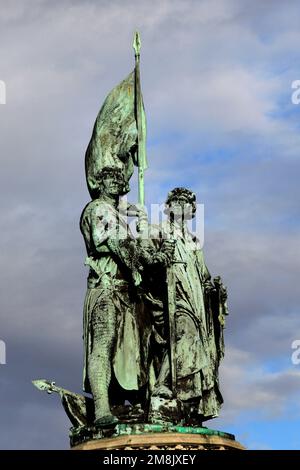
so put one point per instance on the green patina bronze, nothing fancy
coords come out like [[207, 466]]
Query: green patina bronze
[[153, 317], [84, 433], [158, 428]]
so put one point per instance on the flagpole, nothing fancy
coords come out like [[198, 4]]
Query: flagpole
[[141, 127]]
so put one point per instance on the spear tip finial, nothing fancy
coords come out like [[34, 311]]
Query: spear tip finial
[[137, 43]]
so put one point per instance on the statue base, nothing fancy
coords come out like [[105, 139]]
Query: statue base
[[152, 437]]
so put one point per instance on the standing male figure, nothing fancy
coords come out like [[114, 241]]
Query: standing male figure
[[115, 353]]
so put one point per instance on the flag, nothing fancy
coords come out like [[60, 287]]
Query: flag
[[115, 138]]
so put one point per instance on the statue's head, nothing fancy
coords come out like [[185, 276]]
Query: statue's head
[[181, 203], [111, 182]]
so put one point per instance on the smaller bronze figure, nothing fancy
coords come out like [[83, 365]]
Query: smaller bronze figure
[[186, 315]]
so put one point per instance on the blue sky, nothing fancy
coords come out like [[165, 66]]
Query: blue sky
[[216, 79]]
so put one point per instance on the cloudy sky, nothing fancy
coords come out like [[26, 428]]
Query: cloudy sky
[[216, 78]]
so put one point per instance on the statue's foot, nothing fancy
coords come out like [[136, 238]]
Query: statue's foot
[[105, 421], [162, 391]]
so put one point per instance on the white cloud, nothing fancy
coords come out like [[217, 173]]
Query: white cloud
[[249, 388]]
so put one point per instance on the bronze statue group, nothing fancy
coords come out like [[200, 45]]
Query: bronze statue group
[[153, 317]]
